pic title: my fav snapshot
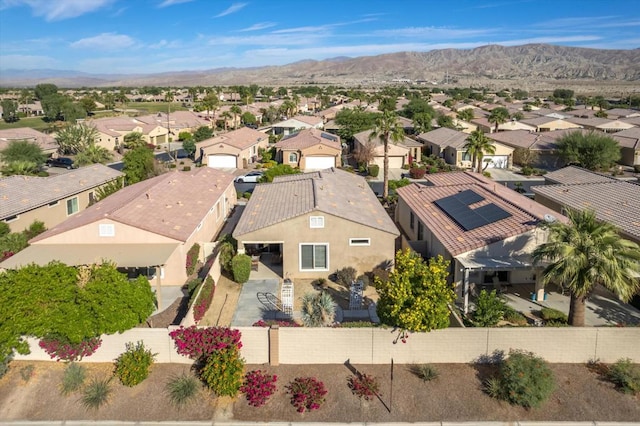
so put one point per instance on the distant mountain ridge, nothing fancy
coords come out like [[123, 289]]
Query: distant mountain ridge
[[491, 62]]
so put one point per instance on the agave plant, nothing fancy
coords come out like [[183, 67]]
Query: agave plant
[[318, 310]]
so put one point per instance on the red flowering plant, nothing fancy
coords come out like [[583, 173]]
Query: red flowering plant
[[198, 343], [307, 393], [205, 297], [258, 386], [279, 323], [363, 385], [62, 350]]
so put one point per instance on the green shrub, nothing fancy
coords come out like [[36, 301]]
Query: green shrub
[[374, 170], [486, 174], [364, 278], [514, 317], [96, 393], [553, 315], [246, 195], [4, 364], [489, 309], [192, 285], [523, 379], [132, 366], [241, 267], [527, 170], [186, 169], [417, 172], [182, 389], [192, 258], [172, 166], [227, 251], [205, 297], [73, 378], [345, 276], [426, 372], [223, 371], [27, 372], [625, 375]]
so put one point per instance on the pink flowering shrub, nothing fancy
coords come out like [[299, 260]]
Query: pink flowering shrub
[[363, 386], [307, 393], [204, 299], [192, 258], [65, 351], [280, 323], [258, 386], [200, 343]]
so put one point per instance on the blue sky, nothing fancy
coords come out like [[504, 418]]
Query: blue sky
[[142, 36]]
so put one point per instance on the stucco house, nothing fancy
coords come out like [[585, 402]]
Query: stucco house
[[606, 125], [629, 141], [235, 149], [296, 123], [400, 153], [111, 130], [147, 227], [549, 124], [486, 126], [319, 222], [52, 199], [44, 141], [310, 149], [487, 231]]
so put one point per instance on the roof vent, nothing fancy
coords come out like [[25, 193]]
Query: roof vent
[[549, 218]]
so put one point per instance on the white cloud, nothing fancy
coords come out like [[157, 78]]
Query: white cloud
[[265, 40], [320, 28], [231, 9], [57, 10], [27, 62], [258, 26], [167, 3], [104, 41], [435, 32]]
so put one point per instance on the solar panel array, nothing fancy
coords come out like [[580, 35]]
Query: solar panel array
[[329, 136], [457, 208]]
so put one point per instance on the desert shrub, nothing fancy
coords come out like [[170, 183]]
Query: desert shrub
[[345, 276], [198, 343], [307, 393], [523, 379], [172, 166], [553, 315], [364, 278], [186, 169], [205, 297], [73, 378], [258, 386], [246, 195], [192, 258], [399, 183], [527, 170], [182, 389], [222, 371], [279, 323], [486, 174], [374, 170], [192, 285], [27, 372], [96, 393], [132, 366], [514, 317], [60, 349], [489, 309], [417, 172], [318, 309], [241, 267], [380, 273], [4, 364], [426, 372], [363, 386], [226, 254], [625, 375], [355, 324]]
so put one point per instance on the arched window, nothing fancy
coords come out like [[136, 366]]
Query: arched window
[[293, 157]]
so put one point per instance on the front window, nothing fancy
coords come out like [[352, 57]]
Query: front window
[[316, 222], [72, 206], [314, 257], [293, 157], [466, 156], [107, 230]]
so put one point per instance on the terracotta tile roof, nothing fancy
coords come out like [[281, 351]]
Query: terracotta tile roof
[[444, 137], [241, 138], [19, 194], [572, 175], [525, 213], [172, 204], [330, 191], [46, 142], [629, 138], [309, 137], [614, 201], [363, 138], [308, 119]]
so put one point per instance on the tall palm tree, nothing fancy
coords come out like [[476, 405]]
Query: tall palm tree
[[584, 253], [236, 111], [388, 129], [226, 115], [477, 145], [498, 116]]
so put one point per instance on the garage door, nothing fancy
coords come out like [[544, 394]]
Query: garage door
[[394, 162], [497, 161], [222, 161], [318, 163]]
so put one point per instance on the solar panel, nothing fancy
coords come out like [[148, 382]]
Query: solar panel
[[468, 197], [492, 213], [329, 136], [457, 208]]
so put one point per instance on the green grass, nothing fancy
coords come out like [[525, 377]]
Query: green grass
[[154, 106], [34, 122]]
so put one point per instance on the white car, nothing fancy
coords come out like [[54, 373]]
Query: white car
[[251, 177]]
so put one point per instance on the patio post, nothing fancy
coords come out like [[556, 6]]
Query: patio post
[[159, 288], [466, 290], [539, 289]]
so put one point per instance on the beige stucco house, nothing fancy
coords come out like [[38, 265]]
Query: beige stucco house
[[629, 141], [111, 130], [296, 123], [550, 124], [148, 227], [235, 149], [52, 199], [399, 152], [320, 222], [44, 141], [310, 149]]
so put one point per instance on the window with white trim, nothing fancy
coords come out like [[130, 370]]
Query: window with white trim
[[316, 222], [314, 257], [359, 241], [107, 230], [293, 157], [72, 206]]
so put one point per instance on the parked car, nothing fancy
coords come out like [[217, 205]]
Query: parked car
[[64, 162], [249, 177]]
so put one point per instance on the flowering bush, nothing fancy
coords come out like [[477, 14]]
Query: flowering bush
[[204, 299], [307, 393], [66, 351], [258, 386], [363, 386], [132, 366], [223, 371], [200, 343], [192, 258], [279, 323]]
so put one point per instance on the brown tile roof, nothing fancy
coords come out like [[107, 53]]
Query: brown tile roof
[[242, 138], [572, 175], [330, 191], [46, 142], [308, 119], [614, 201], [172, 204], [309, 137], [629, 138], [19, 194], [444, 137], [363, 138], [532, 140]]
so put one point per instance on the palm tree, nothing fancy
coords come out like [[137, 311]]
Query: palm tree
[[477, 145], [465, 114], [226, 115], [211, 103], [387, 129], [584, 253], [235, 110], [498, 116], [422, 122], [73, 139], [93, 154]]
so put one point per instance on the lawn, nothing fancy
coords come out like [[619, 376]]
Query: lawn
[[151, 107], [36, 123]]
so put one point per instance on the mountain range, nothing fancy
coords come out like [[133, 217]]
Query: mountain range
[[483, 65]]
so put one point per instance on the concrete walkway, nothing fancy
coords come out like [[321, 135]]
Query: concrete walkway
[[249, 308]]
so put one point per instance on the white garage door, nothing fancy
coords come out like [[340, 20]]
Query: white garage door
[[496, 161], [394, 162], [222, 161], [318, 163]]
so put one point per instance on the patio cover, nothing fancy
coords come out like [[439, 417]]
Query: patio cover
[[124, 255], [495, 263]]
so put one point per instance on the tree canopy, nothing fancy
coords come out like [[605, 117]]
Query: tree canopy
[[592, 150], [352, 121], [416, 295], [279, 170], [202, 133], [139, 164], [498, 116], [22, 150], [9, 110], [477, 145]]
